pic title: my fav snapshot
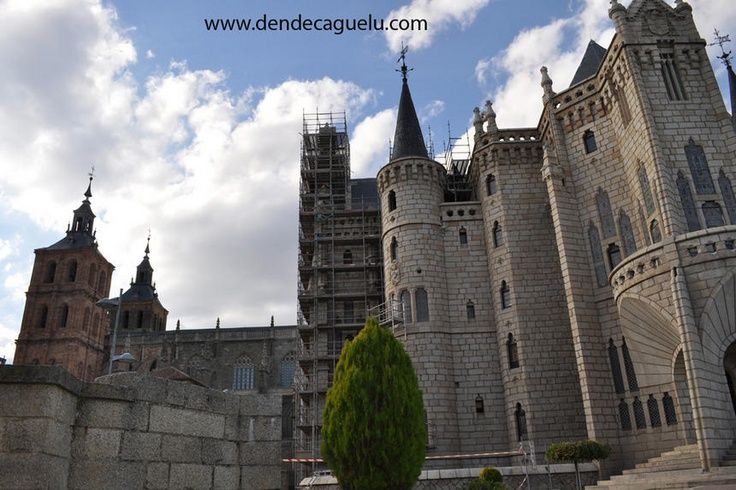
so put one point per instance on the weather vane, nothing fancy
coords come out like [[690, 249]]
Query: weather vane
[[92, 173], [402, 58], [720, 41]]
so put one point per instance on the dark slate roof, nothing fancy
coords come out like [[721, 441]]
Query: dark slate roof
[[139, 292], [73, 240], [592, 59], [364, 192], [408, 139], [732, 85]]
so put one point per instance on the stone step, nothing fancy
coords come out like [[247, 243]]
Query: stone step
[[723, 477]]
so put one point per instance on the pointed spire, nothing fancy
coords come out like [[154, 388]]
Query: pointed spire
[[547, 84], [148, 244], [217, 325], [732, 85], [408, 138], [272, 324], [726, 58], [178, 324], [88, 192], [490, 117]]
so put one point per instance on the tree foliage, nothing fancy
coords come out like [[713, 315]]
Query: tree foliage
[[373, 436], [577, 452]]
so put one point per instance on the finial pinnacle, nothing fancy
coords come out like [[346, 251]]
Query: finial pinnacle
[[148, 243], [720, 41], [404, 69], [178, 324], [217, 324], [88, 192]]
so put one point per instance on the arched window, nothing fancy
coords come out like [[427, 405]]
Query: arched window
[[512, 352], [629, 367], [520, 417], [646, 189], [243, 374], [126, 319], [347, 257], [639, 418], [654, 231], [43, 317], [505, 295], [391, 200], [627, 233], [491, 184], [72, 271], [85, 321], [618, 380], [286, 370], [394, 249], [470, 310], [728, 197], [63, 315], [589, 141], [463, 236], [687, 203], [96, 324], [405, 299], [614, 255], [653, 408], [669, 409], [497, 234], [601, 274], [699, 168], [624, 416], [713, 214], [605, 213], [50, 272], [422, 304], [139, 320], [78, 224], [103, 282], [92, 275]]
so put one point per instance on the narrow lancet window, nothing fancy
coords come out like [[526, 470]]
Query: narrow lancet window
[[688, 203]]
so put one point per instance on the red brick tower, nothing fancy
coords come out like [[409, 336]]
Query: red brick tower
[[62, 323]]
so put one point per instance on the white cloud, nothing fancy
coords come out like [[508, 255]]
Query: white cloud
[[560, 46], [369, 145], [150, 54], [439, 14], [482, 67], [213, 173], [431, 110]]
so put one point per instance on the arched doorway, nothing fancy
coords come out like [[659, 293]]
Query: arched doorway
[[729, 366], [683, 399]]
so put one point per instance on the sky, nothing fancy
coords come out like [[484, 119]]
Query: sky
[[194, 134]]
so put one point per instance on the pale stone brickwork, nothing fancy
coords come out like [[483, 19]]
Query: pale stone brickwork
[[134, 431], [603, 241]]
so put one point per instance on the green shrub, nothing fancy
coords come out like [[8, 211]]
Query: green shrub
[[491, 475], [373, 437], [576, 452]]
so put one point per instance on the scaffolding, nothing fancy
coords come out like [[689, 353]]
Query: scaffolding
[[456, 159], [340, 266]]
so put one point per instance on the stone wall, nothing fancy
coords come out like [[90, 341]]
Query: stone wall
[[133, 431]]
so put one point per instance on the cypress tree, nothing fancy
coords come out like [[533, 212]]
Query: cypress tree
[[373, 436]]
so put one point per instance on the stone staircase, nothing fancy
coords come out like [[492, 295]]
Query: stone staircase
[[679, 468]]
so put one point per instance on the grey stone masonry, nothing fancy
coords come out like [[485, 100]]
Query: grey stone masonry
[[133, 431]]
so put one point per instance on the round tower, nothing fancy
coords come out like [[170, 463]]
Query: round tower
[[411, 188]]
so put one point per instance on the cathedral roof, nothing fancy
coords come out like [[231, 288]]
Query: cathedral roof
[[81, 233], [592, 60], [408, 138], [732, 85]]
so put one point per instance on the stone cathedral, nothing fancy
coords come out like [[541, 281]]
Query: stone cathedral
[[577, 279], [572, 280]]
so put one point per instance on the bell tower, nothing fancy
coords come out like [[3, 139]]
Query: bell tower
[[61, 322]]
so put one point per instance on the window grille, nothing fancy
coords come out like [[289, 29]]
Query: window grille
[[653, 408], [624, 416], [688, 203], [639, 418]]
